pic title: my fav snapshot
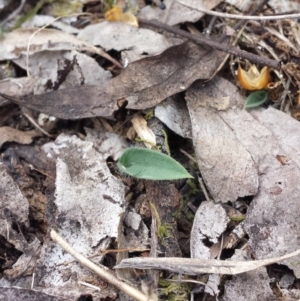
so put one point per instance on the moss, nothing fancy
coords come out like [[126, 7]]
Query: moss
[[60, 8], [162, 229], [32, 12], [175, 291], [149, 115], [193, 187], [166, 142], [66, 7]]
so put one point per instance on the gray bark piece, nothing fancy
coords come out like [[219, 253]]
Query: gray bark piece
[[236, 149], [287, 281], [89, 202], [174, 114], [213, 283], [273, 218], [226, 139], [47, 66], [249, 286], [133, 220], [137, 42], [12, 202], [209, 223], [86, 192]]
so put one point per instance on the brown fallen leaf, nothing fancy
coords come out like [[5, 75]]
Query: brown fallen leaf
[[144, 84], [8, 134], [222, 132]]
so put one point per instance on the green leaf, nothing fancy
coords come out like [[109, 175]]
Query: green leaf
[[256, 99], [148, 164]]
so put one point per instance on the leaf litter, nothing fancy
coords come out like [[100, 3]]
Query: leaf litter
[[248, 161]]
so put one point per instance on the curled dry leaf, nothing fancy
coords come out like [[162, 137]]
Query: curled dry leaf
[[144, 132], [193, 266]]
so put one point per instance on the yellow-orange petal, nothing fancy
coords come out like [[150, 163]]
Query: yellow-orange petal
[[129, 18], [253, 79], [114, 14]]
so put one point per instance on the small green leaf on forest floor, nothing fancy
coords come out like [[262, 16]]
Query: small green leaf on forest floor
[[256, 99], [148, 164]]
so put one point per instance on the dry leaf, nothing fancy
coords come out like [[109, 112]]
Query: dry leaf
[[143, 84], [53, 70], [14, 44], [8, 134], [227, 166], [134, 43], [144, 132], [16, 87], [174, 114], [272, 221], [262, 138], [193, 266]]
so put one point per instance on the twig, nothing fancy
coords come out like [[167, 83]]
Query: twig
[[32, 121], [203, 189], [129, 290], [215, 45], [188, 155], [221, 247], [242, 17], [14, 13], [228, 55]]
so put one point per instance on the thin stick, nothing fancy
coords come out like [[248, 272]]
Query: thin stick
[[203, 189], [228, 55], [265, 61], [32, 121], [221, 247], [14, 13], [129, 290]]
